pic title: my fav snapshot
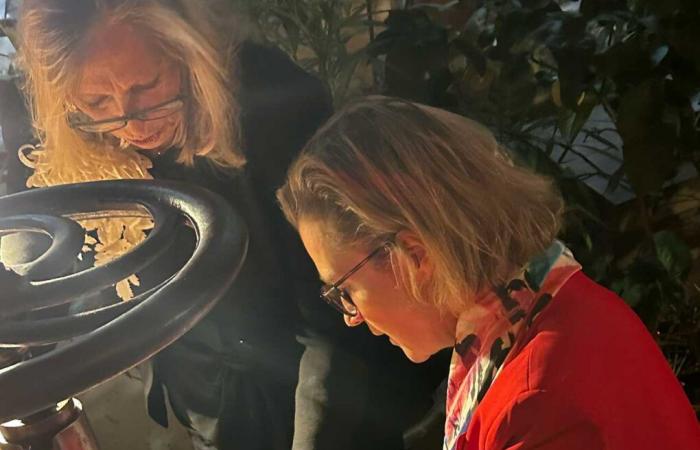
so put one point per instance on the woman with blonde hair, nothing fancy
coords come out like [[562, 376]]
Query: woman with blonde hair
[[167, 89], [422, 228]]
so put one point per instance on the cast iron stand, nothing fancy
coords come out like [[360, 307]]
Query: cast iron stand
[[46, 356]]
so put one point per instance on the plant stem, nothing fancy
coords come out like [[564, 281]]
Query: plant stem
[[370, 16], [644, 215]]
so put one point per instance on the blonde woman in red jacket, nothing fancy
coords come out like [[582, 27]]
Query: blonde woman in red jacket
[[421, 228]]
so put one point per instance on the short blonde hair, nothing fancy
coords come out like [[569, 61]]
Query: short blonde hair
[[383, 165], [51, 35]]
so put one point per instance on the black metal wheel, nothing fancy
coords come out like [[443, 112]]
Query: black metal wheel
[[97, 345]]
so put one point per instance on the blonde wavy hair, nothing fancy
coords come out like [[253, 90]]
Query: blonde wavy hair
[[382, 165], [52, 34], [192, 33]]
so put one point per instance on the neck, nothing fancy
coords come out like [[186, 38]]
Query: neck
[[448, 329]]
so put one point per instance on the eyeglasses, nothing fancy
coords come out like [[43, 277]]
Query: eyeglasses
[[80, 121], [339, 298]]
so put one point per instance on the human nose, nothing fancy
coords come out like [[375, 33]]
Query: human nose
[[135, 127], [353, 321], [124, 104]]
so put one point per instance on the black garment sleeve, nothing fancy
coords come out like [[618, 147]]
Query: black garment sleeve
[[282, 108], [16, 131]]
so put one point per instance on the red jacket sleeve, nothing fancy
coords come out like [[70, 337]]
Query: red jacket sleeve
[[543, 421]]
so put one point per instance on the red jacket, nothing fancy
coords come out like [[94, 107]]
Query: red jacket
[[589, 376]]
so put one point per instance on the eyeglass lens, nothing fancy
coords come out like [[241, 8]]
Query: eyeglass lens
[[106, 126], [339, 299]]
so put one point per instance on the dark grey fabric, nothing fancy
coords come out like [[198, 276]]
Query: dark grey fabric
[[240, 364], [16, 131]]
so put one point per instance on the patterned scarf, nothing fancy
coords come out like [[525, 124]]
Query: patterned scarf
[[488, 331]]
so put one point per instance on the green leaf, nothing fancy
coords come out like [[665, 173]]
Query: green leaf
[[684, 34], [648, 164], [574, 62], [625, 62], [658, 54], [584, 109], [647, 142], [539, 4], [471, 52], [614, 180], [594, 7], [673, 254], [441, 7], [661, 7], [630, 291]]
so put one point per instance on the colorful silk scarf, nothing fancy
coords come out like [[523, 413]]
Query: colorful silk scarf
[[488, 331]]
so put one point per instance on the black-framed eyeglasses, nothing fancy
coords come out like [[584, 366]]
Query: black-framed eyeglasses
[[339, 298], [81, 121]]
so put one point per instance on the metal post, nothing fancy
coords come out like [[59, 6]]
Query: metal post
[[64, 427]]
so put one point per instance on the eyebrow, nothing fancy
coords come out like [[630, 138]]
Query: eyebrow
[[324, 279], [97, 98]]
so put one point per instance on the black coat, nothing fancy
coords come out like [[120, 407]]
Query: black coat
[[244, 354], [16, 131]]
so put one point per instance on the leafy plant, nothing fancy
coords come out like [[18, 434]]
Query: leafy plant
[[601, 95], [318, 34], [562, 80]]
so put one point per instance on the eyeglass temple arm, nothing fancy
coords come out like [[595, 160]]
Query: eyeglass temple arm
[[358, 266]]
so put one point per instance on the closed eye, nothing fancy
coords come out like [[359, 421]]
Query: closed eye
[[98, 103], [146, 86]]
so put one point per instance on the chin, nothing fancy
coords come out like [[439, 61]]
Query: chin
[[416, 357], [150, 148], [155, 144], [160, 140]]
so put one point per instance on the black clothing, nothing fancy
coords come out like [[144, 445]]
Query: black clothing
[[16, 131], [240, 363]]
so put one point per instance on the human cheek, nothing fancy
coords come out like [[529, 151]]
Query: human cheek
[[175, 121]]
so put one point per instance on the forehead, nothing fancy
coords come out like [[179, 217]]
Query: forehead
[[331, 261], [118, 54]]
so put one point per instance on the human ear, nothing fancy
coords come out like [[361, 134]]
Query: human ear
[[415, 248], [353, 321]]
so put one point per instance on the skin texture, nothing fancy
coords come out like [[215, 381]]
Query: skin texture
[[385, 306], [124, 71]]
